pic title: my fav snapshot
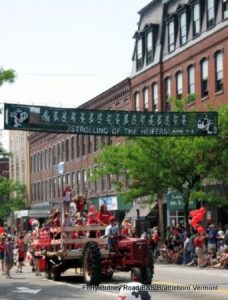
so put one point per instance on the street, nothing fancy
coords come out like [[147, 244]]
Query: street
[[170, 282]]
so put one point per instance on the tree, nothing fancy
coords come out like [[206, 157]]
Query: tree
[[7, 76], [156, 164], [11, 192], [12, 196]]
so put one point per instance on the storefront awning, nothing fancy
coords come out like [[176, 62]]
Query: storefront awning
[[39, 213], [144, 210]]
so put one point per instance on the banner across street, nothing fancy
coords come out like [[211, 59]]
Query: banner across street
[[108, 122]]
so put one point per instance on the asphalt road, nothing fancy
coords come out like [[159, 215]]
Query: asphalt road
[[171, 282]]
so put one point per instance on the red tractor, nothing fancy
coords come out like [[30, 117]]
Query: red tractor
[[94, 259], [133, 255]]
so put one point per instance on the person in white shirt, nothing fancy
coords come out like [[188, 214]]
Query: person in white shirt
[[111, 232]]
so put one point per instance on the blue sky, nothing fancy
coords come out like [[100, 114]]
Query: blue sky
[[65, 52]]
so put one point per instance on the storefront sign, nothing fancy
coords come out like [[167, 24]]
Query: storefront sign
[[175, 201], [110, 202], [99, 122]]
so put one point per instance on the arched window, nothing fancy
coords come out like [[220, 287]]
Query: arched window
[[204, 77], [155, 96], [167, 93], [179, 85], [218, 71], [136, 102], [145, 99], [191, 79]]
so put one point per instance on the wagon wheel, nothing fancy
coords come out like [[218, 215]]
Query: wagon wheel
[[92, 268]]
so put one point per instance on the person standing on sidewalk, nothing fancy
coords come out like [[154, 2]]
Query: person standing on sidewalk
[[21, 253], [9, 256], [188, 248], [2, 253]]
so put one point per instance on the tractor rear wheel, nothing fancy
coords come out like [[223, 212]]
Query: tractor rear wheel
[[136, 275], [92, 268]]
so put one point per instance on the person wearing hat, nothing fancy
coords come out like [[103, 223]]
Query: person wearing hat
[[111, 232]]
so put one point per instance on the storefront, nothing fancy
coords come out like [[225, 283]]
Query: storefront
[[21, 218], [175, 208], [114, 204]]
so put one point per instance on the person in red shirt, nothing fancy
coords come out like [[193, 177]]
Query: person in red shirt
[[92, 221], [199, 242], [20, 253], [80, 202], [103, 217]]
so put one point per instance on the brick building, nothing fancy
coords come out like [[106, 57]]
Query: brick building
[[59, 159], [180, 52]]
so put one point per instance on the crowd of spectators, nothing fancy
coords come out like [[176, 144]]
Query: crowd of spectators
[[207, 249]]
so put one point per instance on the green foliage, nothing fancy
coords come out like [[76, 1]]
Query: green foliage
[[155, 164], [12, 196], [7, 76]]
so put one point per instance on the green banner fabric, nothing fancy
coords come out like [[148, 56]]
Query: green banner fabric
[[101, 122]]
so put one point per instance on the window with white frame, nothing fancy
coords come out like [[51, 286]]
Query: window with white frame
[[204, 78], [225, 9], [155, 96], [196, 19], [171, 36], [136, 101], [218, 71], [145, 99], [179, 85], [149, 47], [191, 80], [139, 54], [210, 12], [183, 28]]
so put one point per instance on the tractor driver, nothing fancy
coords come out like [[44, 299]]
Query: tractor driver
[[111, 232]]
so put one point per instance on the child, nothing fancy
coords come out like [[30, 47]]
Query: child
[[67, 197]]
